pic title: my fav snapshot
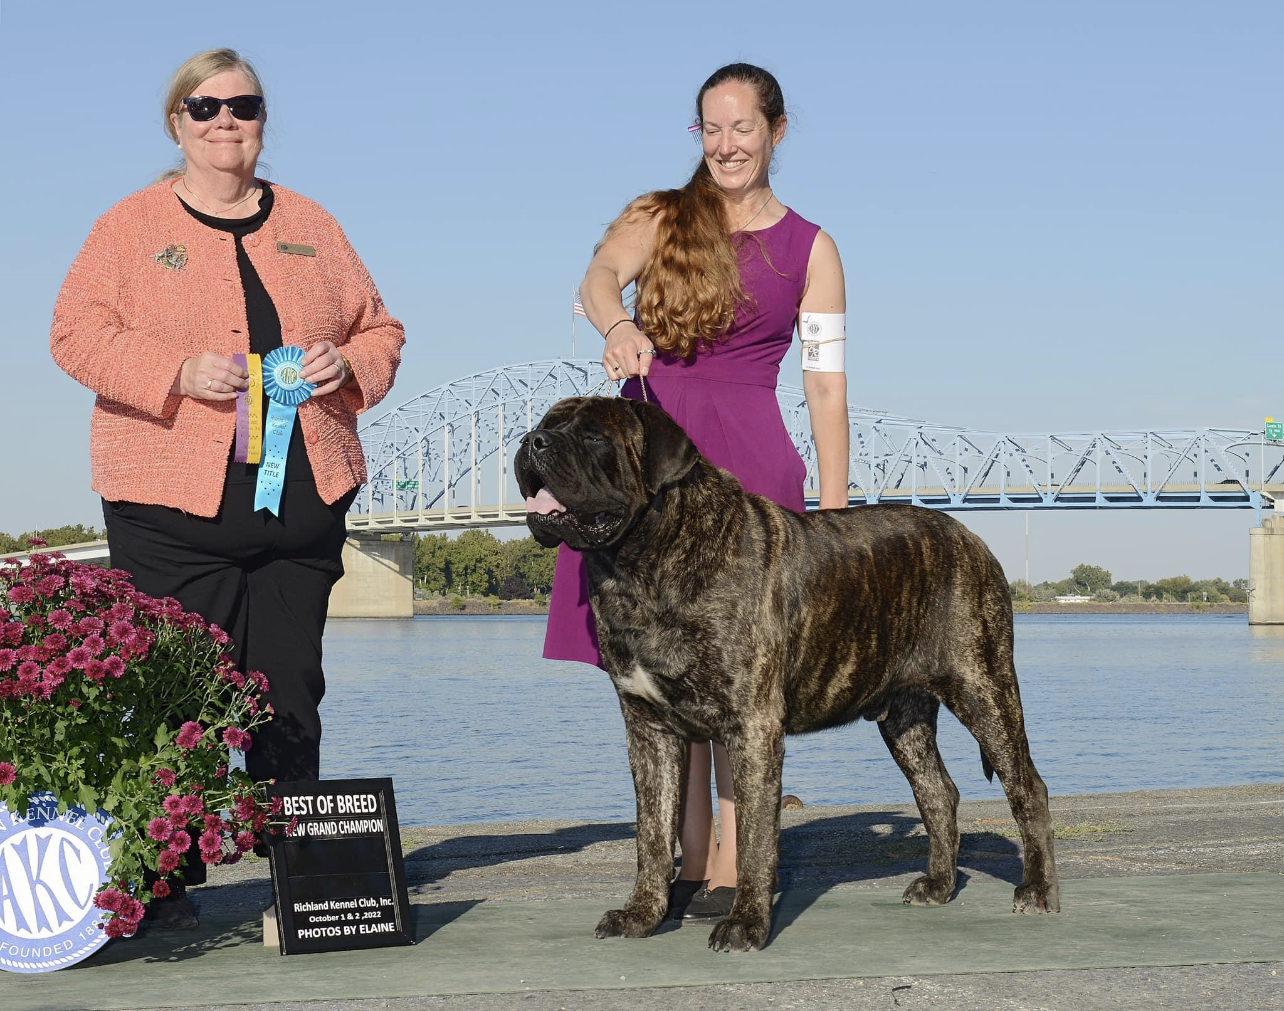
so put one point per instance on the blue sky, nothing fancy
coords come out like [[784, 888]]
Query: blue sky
[[1053, 217]]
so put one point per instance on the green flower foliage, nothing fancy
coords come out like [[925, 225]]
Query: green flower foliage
[[125, 704]]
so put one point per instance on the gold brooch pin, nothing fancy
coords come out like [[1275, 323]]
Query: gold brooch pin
[[297, 248], [172, 257]]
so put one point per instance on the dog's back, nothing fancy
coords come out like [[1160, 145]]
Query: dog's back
[[899, 591]]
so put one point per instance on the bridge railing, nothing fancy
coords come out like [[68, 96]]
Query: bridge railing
[[444, 458]]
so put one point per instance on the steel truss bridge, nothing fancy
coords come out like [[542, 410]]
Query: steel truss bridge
[[444, 460]]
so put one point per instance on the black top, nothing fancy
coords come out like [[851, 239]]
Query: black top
[[264, 325]]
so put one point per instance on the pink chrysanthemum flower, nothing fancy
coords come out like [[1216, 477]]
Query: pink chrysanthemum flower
[[160, 829], [109, 899], [59, 665], [8, 773], [120, 631], [47, 586], [189, 735]]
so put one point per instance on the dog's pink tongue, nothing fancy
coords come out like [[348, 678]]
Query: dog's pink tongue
[[544, 503]]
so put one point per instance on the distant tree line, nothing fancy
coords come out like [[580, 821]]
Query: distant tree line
[[479, 564], [54, 537], [1095, 582]]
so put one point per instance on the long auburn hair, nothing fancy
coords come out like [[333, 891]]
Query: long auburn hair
[[689, 289]]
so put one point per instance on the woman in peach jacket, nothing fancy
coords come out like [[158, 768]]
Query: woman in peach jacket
[[205, 264]]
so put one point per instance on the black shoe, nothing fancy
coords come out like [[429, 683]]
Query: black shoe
[[681, 891], [710, 904], [174, 912]]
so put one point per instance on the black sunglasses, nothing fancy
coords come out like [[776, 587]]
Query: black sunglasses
[[202, 108]]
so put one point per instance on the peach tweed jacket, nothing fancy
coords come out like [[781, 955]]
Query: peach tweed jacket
[[124, 323]]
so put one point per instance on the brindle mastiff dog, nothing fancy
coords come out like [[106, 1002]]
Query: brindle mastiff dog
[[721, 615]]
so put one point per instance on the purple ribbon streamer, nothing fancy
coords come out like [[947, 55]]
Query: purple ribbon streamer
[[242, 452]]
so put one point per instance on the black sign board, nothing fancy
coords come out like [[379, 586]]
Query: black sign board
[[339, 879]]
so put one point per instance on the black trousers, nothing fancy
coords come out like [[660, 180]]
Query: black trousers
[[265, 581]]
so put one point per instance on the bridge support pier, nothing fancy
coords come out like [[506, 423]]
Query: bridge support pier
[[1266, 572], [378, 579]]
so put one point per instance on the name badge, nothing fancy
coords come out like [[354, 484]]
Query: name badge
[[297, 248]]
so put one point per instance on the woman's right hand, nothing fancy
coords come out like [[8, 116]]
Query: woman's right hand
[[628, 352], [210, 376]]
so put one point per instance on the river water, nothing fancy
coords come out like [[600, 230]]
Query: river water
[[474, 726]]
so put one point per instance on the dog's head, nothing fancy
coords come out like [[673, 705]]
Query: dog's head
[[594, 464]]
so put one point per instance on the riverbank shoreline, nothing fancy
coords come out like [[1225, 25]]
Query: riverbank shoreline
[[473, 606]]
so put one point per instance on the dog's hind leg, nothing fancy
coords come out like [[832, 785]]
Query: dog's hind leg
[[658, 760], [984, 697], [909, 729]]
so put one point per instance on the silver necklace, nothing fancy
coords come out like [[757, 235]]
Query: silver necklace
[[188, 190], [770, 195]]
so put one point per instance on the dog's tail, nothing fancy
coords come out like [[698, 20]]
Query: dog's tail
[[986, 767]]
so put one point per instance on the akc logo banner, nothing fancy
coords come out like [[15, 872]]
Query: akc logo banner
[[51, 866]]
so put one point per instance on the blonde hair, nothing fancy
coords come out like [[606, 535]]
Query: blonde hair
[[188, 77]]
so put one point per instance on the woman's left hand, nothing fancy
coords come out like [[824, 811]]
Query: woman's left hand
[[325, 366]]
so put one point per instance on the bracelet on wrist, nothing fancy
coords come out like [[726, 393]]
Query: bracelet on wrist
[[613, 326]]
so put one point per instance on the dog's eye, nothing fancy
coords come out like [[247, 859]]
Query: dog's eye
[[597, 438]]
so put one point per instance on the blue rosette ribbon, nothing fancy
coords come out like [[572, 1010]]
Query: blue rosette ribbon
[[285, 390]]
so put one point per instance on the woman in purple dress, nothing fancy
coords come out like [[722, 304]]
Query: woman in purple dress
[[724, 272]]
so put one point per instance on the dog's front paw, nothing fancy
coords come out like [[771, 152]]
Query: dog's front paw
[[1036, 898], [622, 923], [928, 891], [740, 933]]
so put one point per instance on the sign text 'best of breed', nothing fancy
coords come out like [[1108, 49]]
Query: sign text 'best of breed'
[[338, 877]]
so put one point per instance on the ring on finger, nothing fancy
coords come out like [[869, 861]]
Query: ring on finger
[[209, 383]]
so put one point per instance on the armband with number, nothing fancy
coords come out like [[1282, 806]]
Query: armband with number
[[824, 341]]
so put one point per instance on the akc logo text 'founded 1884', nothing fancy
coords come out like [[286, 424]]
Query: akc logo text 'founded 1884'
[[51, 866]]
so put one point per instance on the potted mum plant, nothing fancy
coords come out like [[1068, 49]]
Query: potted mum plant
[[91, 674]]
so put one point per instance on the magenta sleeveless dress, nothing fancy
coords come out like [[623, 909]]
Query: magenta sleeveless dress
[[725, 399]]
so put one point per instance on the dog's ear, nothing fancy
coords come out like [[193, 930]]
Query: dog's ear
[[668, 453]]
